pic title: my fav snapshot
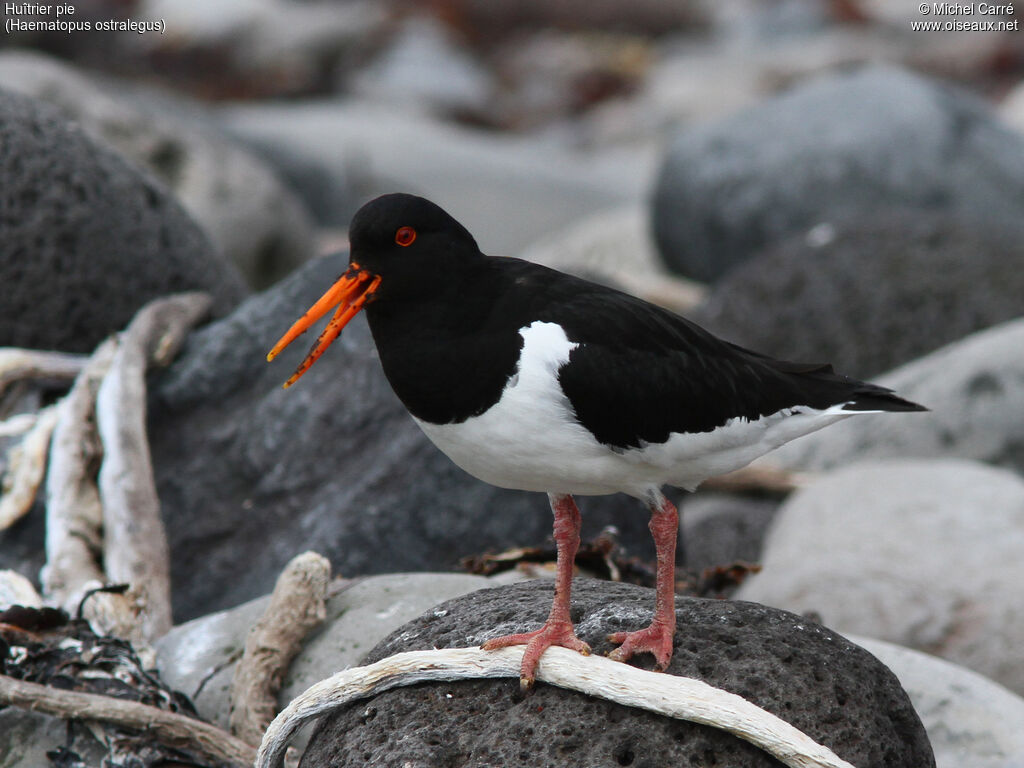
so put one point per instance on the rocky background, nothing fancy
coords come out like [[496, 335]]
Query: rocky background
[[815, 180]]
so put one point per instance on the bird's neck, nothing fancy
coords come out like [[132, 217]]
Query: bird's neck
[[444, 357]]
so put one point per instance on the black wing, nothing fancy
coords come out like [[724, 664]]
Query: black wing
[[641, 372]]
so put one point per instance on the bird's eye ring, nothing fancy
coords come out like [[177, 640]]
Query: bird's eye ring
[[405, 236]]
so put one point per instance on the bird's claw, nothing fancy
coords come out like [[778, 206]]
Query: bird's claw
[[655, 639], [558, 633]]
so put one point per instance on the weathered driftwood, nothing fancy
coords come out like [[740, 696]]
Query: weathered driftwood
[[669, 695], [169, 728], [25, 469], [74, 516], [20, 364], [18, 424], [134, 542], [297, 605], [15, 589]]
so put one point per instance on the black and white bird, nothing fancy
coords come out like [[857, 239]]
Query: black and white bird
[[532, 379]]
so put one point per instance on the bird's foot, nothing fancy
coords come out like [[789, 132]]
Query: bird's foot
[[559, 633], [656, 639]]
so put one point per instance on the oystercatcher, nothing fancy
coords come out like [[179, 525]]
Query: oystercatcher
[[532, 379]]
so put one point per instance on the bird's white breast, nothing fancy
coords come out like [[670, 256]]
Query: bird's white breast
[[530, 438]]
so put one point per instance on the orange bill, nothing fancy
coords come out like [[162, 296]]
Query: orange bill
[[349, 294]]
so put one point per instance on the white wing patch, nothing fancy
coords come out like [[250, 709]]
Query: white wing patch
[[530, 438]]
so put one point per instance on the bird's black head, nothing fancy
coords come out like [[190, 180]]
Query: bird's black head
[[403, 247], [407, 239]]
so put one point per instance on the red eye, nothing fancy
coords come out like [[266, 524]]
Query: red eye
[[405, 235]]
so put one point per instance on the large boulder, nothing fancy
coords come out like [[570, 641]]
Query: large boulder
[[871, 292], [251, 217], [249, 473], [85, 238], [834, 691], [923, 554], [828, 149]]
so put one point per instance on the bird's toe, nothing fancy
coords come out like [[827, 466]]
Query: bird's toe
[[655, 639], [560, 633]]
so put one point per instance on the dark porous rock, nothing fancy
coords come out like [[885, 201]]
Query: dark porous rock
[[833, 147], [871, 292], [831, 689], [250, 474], [85, 238], [249, 215]]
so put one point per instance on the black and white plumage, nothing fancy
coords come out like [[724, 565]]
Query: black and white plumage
[[532, 379]]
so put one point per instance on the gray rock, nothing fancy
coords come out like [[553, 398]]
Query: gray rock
[[28, 736], [257, 223], [199, 657], [871, 292], [971, 721], [507, 190], [837, 693], [829, 149], [85, 238], [975, 389], [249, 473], [923, 554], [721, 529]]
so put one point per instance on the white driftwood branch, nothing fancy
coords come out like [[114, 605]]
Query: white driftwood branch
[[18, 424], [74, 516], [169, 728], [18, 364], [135, 547], [297, 605], [25, 469], [669, 695], [15, 589]]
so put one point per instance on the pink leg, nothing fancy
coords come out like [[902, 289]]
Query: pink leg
[[657, 638], [558, 629]]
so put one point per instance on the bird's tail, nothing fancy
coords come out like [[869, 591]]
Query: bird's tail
[[875, 399], [852, 395]]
